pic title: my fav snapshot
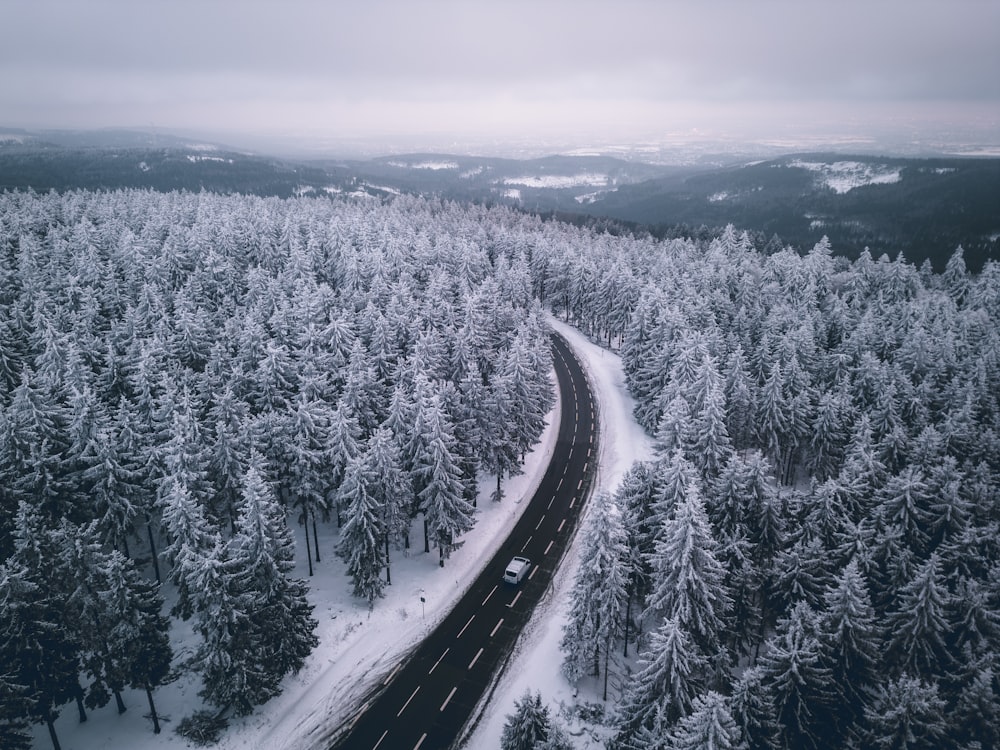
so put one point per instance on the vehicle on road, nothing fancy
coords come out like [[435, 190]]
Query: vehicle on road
[[516, 570]]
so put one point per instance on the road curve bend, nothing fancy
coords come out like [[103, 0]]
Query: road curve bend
[[426, 701]]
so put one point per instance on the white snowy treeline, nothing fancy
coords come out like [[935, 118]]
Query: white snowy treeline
[[812, 559], [179, 373]]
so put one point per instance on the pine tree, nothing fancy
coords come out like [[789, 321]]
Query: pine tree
[[798, 680], [710, 443], [754, 711], [528, 727], [688, 581], [599, 593], [260, 559], [363, 535], [447, 512], [850, 641], [671, 673], [907, 714], [918, 625], [709, 726]]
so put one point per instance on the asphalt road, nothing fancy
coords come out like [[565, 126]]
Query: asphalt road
[[424, 703]]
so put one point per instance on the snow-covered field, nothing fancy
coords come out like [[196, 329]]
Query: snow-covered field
[[432, 165], [357, 646], [585, 179], [843, 176], [537, 659]]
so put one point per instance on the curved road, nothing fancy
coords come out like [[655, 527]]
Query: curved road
[[426, 701]]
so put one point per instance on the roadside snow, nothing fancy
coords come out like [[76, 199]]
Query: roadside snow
[[357, 646], [537, 661]]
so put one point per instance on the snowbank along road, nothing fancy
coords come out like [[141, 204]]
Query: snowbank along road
[[426, 700]]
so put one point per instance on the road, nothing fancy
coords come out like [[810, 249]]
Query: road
[[424, 703]]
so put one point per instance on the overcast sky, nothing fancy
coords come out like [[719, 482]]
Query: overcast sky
[[503, 67]]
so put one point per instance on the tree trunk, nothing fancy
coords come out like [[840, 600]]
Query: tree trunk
[[152, 548], [309, 556], [607, 656], [315, 536], [427, 541], [628, 618], [119, 702], [79, 704], [388, 574], [152, 711], [53, 736]]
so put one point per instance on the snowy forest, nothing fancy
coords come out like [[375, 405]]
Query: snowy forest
[[812, 560], [184, 377]]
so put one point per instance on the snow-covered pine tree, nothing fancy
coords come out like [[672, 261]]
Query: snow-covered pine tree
[[709, 726], [600, 591], [688, 580], [528, 727], [363, 536], [671, 673], [447, 513], [260, 560]]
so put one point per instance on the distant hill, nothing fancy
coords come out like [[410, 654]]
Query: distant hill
[[922, 207]]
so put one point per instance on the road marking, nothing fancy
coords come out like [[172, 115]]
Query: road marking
[[560, 525], [588, 452], [525, 544], [375, 746], [532, 573], [475, 658], [585, 467], [551, 500], [446, 701], [561, 480], [572, 501], [420, 741], [393, 673], [540, 521], [496, 628], [466, 625], [549, 547], [408, 701], [579, 484], [490, 594], [515, 599], [438, 661], [591, 437], [358, 715]]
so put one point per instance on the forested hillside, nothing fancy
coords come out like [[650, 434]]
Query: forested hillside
[[183, 376], [812, 560]]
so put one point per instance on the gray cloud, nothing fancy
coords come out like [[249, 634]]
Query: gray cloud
[[436, 65]]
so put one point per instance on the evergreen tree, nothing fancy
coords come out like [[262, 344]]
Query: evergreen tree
[[798, 680], [850, 641], [918, 625], [363, 535], [528, 727], [447, 512], [599, 593], [671, 673], [688, 581], [907, 714], [709, 726], [279, 617]]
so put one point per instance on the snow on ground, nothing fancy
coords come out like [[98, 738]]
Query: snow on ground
[[584, 179], [194, 159], [357, 646], [594, 196], [537, 661], [843, 176]]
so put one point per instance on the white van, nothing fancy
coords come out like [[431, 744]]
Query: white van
[[516, 570]]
